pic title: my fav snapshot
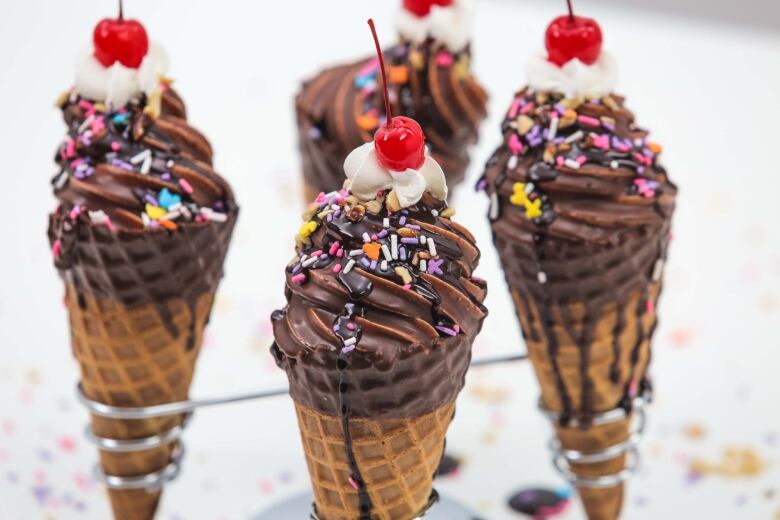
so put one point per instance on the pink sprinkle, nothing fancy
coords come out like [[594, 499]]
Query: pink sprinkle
[[98, 125], [642, 159], [514, 108], [116, 146], [200, 218], [353, 483], [337, 268], [444, 59], [70, 148], [109, 224], [333, 248], [298, 278], [587, 120], [582, 159], [515, 145], [600, 141], [340, 253], [456, 327], [649, 194], [74, 213], [650, 306], [186, 186], [316, 253], [320, 198], [351, 326], [55, 249], [406, 286], [559, 160], [527, 109]]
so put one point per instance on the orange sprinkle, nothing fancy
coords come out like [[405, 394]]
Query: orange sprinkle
[[372, 250], [367, 122], [655, 148], [168, 224], [570, 114], [399, 74]]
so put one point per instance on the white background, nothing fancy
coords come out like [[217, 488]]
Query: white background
[[709, 93]]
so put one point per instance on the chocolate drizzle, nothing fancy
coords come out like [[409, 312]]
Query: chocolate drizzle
[[114, 166], [341, 108], [580, 213], [398, 309]]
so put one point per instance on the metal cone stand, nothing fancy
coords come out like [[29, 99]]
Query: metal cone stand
[[301, 506]]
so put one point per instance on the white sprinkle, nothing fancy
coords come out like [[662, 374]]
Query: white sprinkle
[[386, 223], [571, 163], [171, 215], [529, 188], [310, 261], [145, 219], [175, 207], [213, 216], [366, 238], [98, 217], [638, 143], [576, 136], [169, 164], [512, 163], [542, 276], [658, 269], [146, 166], [185, 212], [87, 122], [303, 258], [423, 239], [335, 207], [435, 212], [383, 265], [61, 179], [494, 206], [356, 252], [349, 266], [394, 246], [423, 266], [614, 165], [350, 342], [138, 158], [432, 247], [386, 252], [553, 129]]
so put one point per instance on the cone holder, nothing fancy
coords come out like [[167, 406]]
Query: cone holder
[[563, 458]]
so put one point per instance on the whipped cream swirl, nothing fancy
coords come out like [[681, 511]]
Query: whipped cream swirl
[[366, 176], [117, 85], [575, 78], [450, 25]]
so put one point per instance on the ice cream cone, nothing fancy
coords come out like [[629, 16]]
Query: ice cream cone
[[128, 358], [397, 459]]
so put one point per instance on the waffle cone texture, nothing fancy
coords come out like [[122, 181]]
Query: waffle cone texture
[[397, 458], [138, 304]]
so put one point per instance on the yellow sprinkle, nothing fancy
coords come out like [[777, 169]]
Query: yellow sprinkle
[[416, 59], [519, 197], [154, 212], [307, 228], [533, 209], [463, 67]]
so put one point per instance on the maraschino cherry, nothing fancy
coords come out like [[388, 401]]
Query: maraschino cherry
[[423, 7], [570, 37], [120, 40], [400, 142]]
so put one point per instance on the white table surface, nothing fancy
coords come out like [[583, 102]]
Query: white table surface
[[710, 95]]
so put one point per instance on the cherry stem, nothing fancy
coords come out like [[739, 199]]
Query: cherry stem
[[571, 11], [389, 122], [121, 10]]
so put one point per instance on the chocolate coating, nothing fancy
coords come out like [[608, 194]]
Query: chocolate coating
[[398, 344], [342, 107], [115, 254], [580, 213]]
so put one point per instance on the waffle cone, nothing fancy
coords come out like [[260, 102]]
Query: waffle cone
[[397, 459], [129, 358], [614, 366]]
